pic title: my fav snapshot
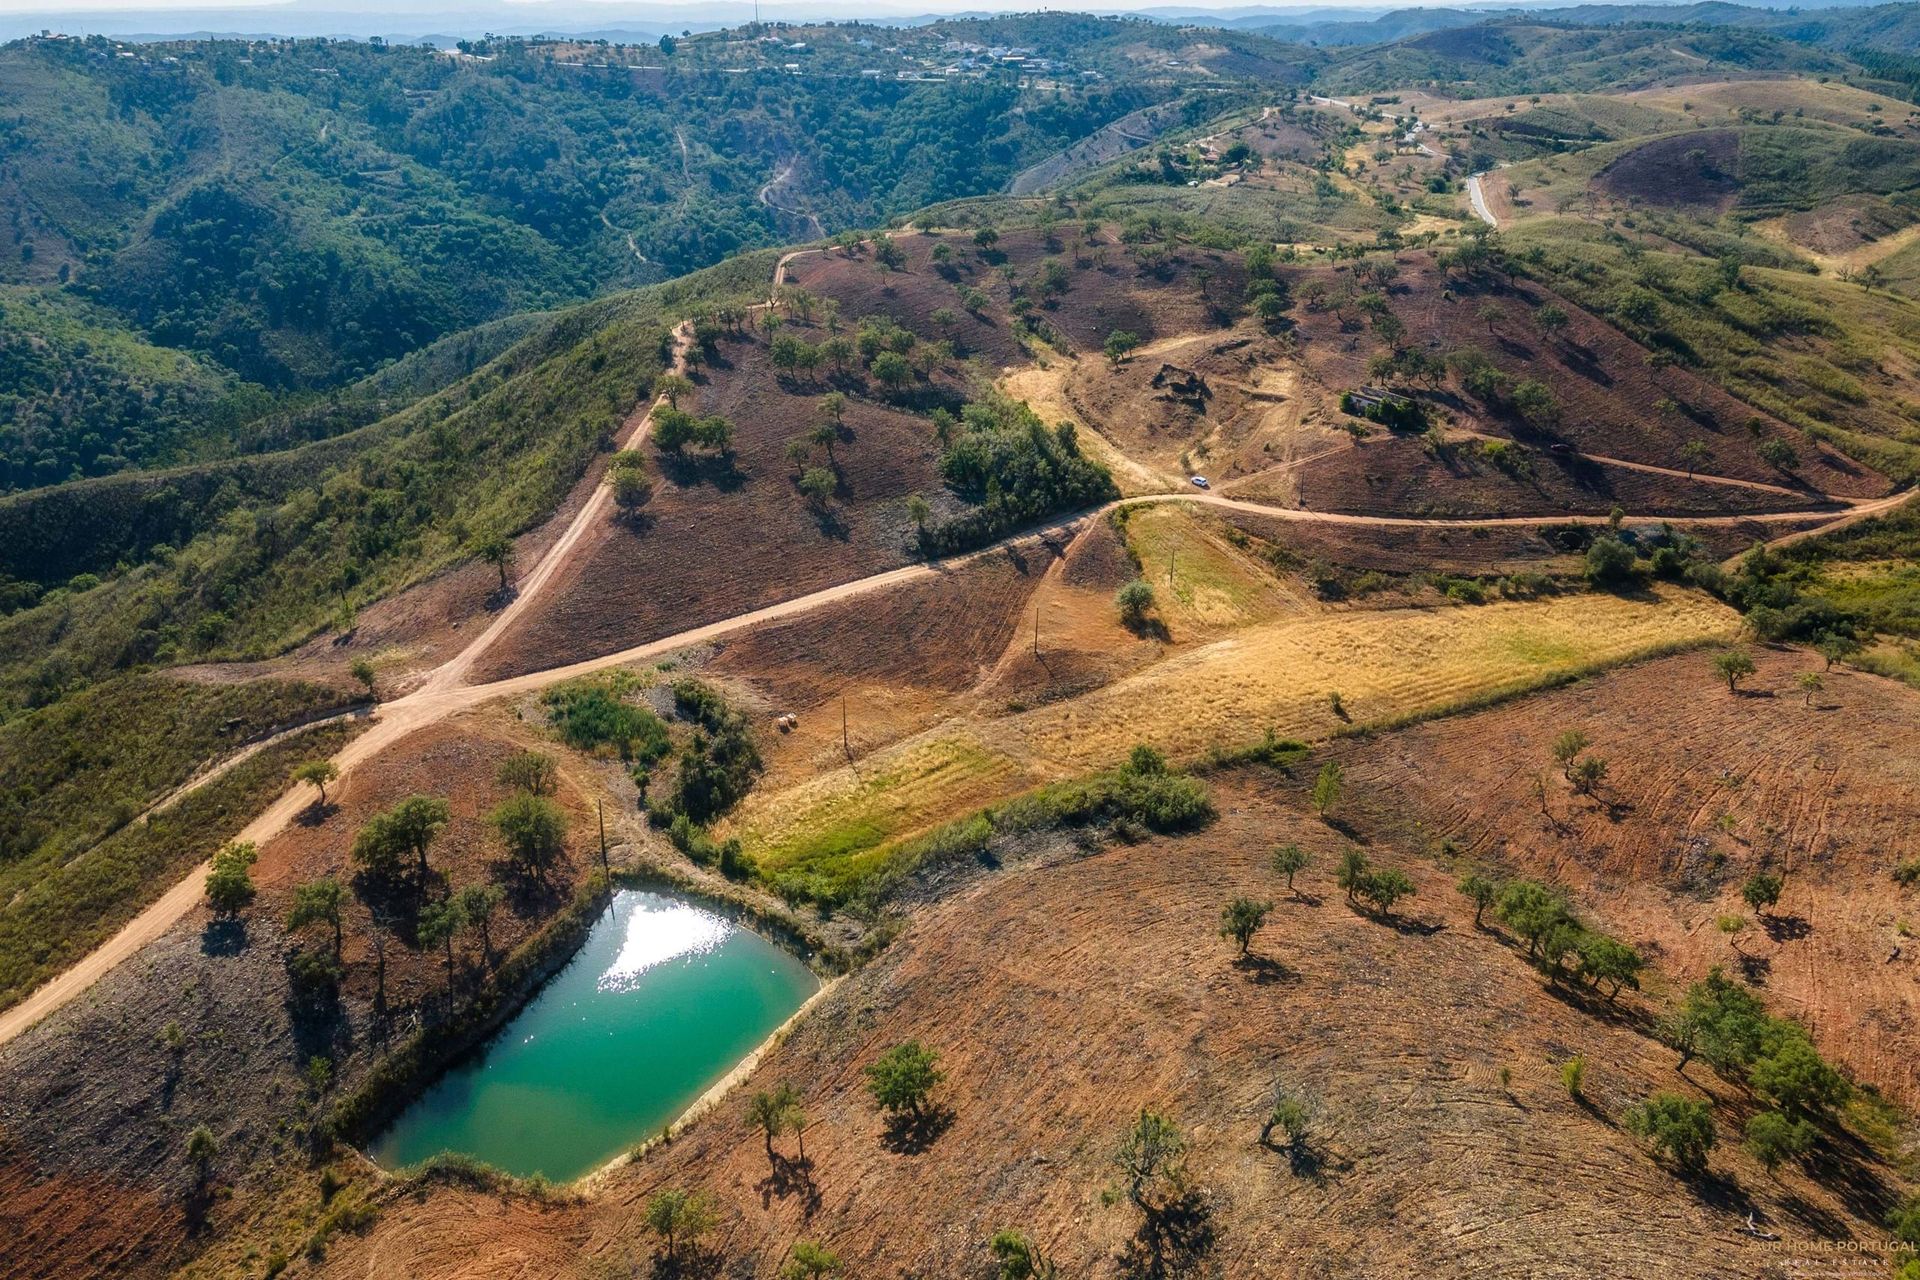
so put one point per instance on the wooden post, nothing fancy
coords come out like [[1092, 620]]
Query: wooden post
[[1036, 631], [845, 744]]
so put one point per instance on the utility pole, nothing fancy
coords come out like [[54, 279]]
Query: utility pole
[[845, 744], [600, 808]]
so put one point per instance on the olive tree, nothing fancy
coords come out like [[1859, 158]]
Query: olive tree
[[317, 773], [534, 772], [1773, 1137], [533, 828], [230, 883], [496, 550], [406, 830], [1289, 860], [1241, 918], [1677, 1127], [1480, 891], [1151, 1158], [1762, 891], [902, 1080], [679, 1218], [319, 902], [1733, 666], [773, 1112], [1133, 601]]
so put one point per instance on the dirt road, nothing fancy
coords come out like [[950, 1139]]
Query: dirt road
[[446, 692]]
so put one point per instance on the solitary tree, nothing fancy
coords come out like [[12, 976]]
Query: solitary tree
[[1151, 1160], [1733, 665], [1693, 453], [1326, 787], [817, 485], [496, 550], [1762, 891], [1133, 600], [1480, 891], [810, 1262], [631, 488], [679, 1218], [362, 670], [534, 772], [202, 1151], [892, 369], [1811, 684], [1385, 887], [1292, 1118], [903, 1079], [1019, 1258], [1567, 748], [1241, 918], [773, 1113], [833, 409], [230, 882], [1588, 773], [1836, 648], [317, 772], [1289, 860], [319, 902], [1119, 345]]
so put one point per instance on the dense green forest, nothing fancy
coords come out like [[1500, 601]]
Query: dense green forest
[[291, 216]]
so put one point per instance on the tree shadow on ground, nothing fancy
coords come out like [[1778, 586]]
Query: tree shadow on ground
[[1719, 1191], [1171, 1241], [1346, 829], [224, 937], [691, 1263], [316, 1016], [316, 814], [908, 1134], [791, 1176], [1786, 928], [1264, 970], [690, 470]]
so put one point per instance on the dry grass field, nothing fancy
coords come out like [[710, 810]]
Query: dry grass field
[[1066, 994]]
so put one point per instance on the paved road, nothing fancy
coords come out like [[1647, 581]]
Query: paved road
[[1478, 198]]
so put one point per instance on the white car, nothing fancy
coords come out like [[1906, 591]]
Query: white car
[[1200, 482]]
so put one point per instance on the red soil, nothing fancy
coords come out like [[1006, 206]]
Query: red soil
[[709, 546], [1608, 395], [1705, 788], [1064, 998]]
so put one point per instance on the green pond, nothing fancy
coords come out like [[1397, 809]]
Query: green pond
[[662, 999]]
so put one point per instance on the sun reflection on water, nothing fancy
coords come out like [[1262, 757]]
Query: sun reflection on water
[[657, 934]]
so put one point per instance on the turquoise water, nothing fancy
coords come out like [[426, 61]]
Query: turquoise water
[[663, 998]]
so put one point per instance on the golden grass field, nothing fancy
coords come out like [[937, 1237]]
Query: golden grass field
[[1279, 674]]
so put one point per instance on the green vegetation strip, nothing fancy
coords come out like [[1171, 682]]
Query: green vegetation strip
[[60, 913]]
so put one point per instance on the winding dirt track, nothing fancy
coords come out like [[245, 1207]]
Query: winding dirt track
[[446, 692]]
